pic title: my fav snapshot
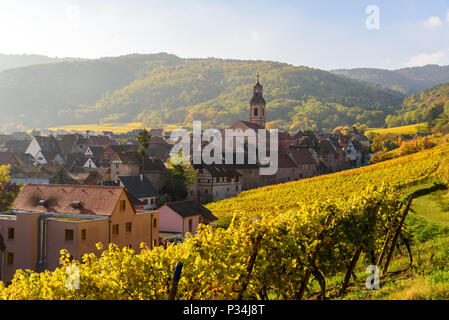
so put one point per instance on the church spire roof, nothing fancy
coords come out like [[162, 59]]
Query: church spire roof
[[257, 93]]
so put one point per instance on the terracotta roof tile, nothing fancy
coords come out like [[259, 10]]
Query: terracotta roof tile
[[190, 208], [96, 200], [303, 156]]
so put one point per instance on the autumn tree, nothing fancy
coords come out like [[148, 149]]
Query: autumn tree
[[144, 138], [8, 190], [179, 177]]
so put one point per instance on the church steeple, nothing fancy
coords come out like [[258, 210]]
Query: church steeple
[[257, 105]]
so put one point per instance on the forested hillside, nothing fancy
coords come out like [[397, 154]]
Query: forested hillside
[[430, 105], [407, 80], [163, 89]]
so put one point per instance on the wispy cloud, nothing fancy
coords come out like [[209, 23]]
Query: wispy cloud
[[447, 16], [425, 59], [433, 22]]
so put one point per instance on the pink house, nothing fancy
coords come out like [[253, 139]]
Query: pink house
[[45, 219], [182, 217]]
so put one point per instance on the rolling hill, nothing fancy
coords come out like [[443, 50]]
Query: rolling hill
[[408, 80], [430, 105], [160, 89], [12, 61]]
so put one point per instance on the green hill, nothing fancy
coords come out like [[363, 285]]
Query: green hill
[[162, 89], [430, 105], [407, 80]]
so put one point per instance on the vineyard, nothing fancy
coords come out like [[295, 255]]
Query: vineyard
[[275, 243]]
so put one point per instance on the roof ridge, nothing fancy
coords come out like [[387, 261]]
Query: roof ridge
[[70, 185]]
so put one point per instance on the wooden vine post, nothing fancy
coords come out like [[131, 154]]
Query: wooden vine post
[[175, 281], [350, 271], [396, 236], [353, 263], [312, 265], [387, 241], [252, 261]]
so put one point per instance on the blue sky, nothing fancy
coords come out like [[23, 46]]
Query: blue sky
[[324, 34]]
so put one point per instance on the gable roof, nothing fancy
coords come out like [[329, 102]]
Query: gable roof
[[325, 147], [302, 156], [25, 159], [8, 158], [190, 208], [95, 200], [66, 143], [119, 148], [48, 144], [33, 172], [298, 135], [132, 157], [284, 135], [306, 142], [50, 156], [100, 141], [247, 124], [284, 161], [97, 151], [139, 188]]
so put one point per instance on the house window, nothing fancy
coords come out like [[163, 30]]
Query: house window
[[236, 179], [152, 200], [11, 233], [68, 235], [122, 205], [154, 223], [116, 165], [83, 234], [256, 112], [10, 259], [217, 179], [115, 229], [154, 243], [236, 188], [145, 201], [190, 225], [128, 227], [229, 179]]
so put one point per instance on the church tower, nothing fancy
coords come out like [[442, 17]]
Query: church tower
[[257, 106]]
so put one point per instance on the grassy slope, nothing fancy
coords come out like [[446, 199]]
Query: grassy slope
[[428, 276], [411, 129]]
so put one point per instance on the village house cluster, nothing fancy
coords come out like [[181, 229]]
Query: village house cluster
[[81, 188]]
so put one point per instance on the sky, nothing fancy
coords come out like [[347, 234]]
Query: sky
[[325, 34]]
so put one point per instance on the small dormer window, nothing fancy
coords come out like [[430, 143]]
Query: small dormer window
[[256, 112]]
